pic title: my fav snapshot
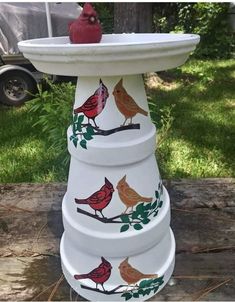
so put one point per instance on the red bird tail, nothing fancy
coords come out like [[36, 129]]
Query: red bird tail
[[81, 201], [83, 276], [78, 110]]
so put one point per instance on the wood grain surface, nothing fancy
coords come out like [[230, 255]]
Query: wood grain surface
[[203, 221]]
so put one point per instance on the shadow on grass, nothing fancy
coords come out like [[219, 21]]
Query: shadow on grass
[[203, 115], [25, 152]]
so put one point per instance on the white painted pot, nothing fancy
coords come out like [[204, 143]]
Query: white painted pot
[[117, 243]]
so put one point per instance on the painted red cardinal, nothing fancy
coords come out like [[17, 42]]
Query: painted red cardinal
[[98, 275], [95, 104], [100, 199], [87, 28]]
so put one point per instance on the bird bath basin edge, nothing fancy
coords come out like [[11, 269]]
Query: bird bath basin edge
[[116, 54]]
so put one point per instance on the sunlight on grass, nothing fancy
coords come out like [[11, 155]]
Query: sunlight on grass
[[200, 142]]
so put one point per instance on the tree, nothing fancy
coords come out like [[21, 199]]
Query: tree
[[133, 17]]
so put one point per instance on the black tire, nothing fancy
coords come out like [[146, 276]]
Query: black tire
[[16, 87]]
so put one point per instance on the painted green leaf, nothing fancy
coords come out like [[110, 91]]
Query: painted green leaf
[[87, 136], [148, 206], [145, 292], [134, 215], [75, 142], [80, 119], [127, 296], [72, 137], [125, 218], [75, 118], [155, 289], [135, 295], [155, 214], [140, 208], [140, 291], [145, 214], [157, 194], [159, 279], [146, 221], [148, 291], [83, 144], [124, 228], [138, 226], [90, 130], [143, 283], [160, 204], [154, 205]]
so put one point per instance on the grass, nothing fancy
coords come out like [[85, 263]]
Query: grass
[[200, 142], [24, 152], [202, 136]]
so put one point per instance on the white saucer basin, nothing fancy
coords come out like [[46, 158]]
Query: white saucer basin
[[117, 54], [160, 260]]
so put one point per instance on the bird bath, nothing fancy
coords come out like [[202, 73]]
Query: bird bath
[[117, 243]]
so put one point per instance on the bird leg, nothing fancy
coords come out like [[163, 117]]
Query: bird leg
[[102, 214], [130, 121], [125, 210], [102, 284], [95, 123], [124, 122]]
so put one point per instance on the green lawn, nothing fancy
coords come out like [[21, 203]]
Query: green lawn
[[200, 142]]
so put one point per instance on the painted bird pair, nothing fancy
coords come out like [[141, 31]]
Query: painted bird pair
[[101, 198], [102, 273], [95, 104]]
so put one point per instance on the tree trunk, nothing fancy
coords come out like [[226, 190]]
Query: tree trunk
[[132, 17]]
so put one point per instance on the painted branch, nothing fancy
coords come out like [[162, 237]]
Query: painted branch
[[109, 292], [102, 219], [118, 129]]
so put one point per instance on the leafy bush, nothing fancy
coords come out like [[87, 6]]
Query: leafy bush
[[209, 20], [54, 109]]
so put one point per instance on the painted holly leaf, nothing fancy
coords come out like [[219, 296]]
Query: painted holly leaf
[[124, 228], [83, 144], [138, 226], [87, 136], [127, 296], [125, 218], [145, 283], [160, 204]]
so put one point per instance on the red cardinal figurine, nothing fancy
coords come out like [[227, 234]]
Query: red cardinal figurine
[[100, 199], [87, 28], [98, 275], [95, 104]]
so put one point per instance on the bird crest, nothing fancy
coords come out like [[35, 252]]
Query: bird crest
[[108, 183]]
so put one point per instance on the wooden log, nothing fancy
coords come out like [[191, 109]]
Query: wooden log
[[24, 278], [203, 219]]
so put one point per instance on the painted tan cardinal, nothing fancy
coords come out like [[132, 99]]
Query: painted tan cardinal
[[128, 195], [125, 103], [131, 275]]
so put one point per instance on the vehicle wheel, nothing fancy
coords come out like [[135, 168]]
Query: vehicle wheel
[[16, 87]]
